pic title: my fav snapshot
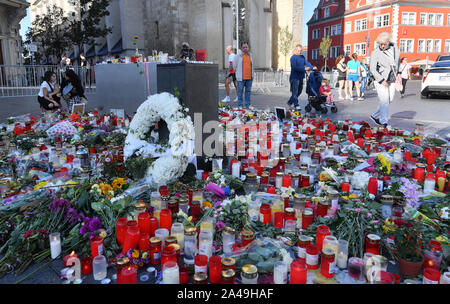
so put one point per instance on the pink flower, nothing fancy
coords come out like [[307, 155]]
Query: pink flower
[[358, 210], [220, 225], [369, 214]]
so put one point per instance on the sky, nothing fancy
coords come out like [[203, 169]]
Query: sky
[[308, 10]]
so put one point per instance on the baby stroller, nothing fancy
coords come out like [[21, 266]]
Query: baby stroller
[[315, 100]]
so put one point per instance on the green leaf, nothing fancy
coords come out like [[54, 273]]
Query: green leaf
[[97, 206]]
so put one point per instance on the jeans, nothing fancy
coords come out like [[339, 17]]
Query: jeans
[[404, 81], [385, 96], [296, 89], [363, 85], [247, 84]]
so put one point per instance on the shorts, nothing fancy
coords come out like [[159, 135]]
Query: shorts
[[232, 75], [353, 78], [45, 103], [340, 78]]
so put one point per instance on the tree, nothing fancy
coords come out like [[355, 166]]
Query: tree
[[50, 30], [286, 38], [325, 49], [85, 21]]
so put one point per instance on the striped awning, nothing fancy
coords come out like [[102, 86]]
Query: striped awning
[[117, 47]]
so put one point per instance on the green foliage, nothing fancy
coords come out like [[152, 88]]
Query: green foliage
[[285, 45], [324, 48]]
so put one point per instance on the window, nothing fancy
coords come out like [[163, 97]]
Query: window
[[423, 19], [347, 4], [421, 47], [431, 20], [348, 27], [360, 25], [326, 32], [437, 46], [316, 34], [407, 45], [360, 49], [315, 54], [439, 19], [429, 46], [447, 46], [336, 30], [316, 14], [335, 51], [348, 50], [409, 18], [326, 12], [381, 20], [448, 20]]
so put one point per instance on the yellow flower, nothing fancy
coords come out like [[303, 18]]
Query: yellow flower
[[135, 254], [71, 183], [389, 226], [189, 219], [144, 254], [385, 163], [40, 185], [103, 234], [136, 37], [207, 204], [118, 183], [324, 177], [105, 188]]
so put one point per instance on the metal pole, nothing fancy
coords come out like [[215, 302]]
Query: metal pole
[[237, 26]]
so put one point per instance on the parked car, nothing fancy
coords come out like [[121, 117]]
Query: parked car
[[437, 80], [444, 57]]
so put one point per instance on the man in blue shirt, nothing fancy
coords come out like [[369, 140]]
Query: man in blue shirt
[[299, 65]]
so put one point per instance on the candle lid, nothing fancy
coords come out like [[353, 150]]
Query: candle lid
[[229, 230], [304, 238], [190, 230], [247, 234], [323, 202], [373, 237], [228, 261], [155, 240], [200, 276], [175, 246], [308, 211], [251, 175], [195, 203], [249, 271], [171, 239], [122, 261], [228, 273], [289, 210], [280, 174]]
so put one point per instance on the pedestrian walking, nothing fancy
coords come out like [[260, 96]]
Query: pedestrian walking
[[244, 75], [231, 75], [299, 66], [342, 77], [364, 71], [405, 70], [353, 77], [384, 65]]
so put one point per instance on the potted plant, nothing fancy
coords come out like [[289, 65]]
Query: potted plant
[[408, 247]]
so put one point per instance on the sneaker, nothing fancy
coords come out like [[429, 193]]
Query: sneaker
[[226, 99], [385, 125], [351, 98], [347, 97], [403, 95], [297, 108], [252, 108], [360, 99], [377, 121], [341, 98]]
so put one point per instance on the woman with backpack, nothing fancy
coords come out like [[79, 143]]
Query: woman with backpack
[[48, 92]]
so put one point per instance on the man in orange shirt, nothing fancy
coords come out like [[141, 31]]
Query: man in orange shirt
[[244, 74]]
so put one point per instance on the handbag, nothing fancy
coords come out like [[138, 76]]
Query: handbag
[[398, 85]]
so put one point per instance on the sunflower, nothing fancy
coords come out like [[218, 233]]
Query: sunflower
[[136, 37], [118, 183], [105, 188]]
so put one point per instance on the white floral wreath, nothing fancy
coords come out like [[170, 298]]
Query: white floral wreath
[[172, 163]]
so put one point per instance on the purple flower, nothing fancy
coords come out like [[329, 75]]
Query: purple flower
[[220, 225], [217, 204], [358, 210], [376, 221], [369, 214], [72, 214], [84, 229], [94, 224], [136, 261], [59, 204], [216, 190]]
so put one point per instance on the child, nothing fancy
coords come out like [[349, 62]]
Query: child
[[325, 90]]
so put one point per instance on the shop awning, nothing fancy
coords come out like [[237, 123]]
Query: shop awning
[[103, 51], [117, 47]]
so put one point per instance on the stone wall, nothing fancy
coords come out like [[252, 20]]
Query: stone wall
[[10, 39]]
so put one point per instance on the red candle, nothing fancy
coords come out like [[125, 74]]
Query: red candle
[[312, 256], [168, 254], [131, 237], [121, 229], [321, 233], [327, 263], [298, 272], [96, 246], [205, 175], [67, 257], [307, 218], [86, 266], [345, 187], [144, 242], [286, 181], [373, 244], [144, 222], [361, 143], [153, 226], [279, 220], [163, 190], [266, 214], [155, 250], [165, 219], [408, 155], [201, 263], [419, 174], [184, 275], [431, 159], [128, 275], [431, 276], [215, 269], [271, 190], [373, 186]]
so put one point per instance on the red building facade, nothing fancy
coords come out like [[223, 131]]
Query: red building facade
[[421, 29]]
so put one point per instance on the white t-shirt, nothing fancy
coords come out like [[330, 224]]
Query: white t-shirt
[[47, 86], [231, 58], [404, 69]]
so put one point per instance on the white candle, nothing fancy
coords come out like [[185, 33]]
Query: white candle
[[445, 278], [55, 245], [171, 273], [429, 185], [280, 273], [236, 170], [341, 260]]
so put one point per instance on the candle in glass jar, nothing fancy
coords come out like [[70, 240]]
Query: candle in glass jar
[[165, 219], [201, 263], [215, 269], [99, 267], [86, 266], [312, 256], [373, 244], [321, 233], [331, 242], [265, 213], [67, 257], [121, 228], [307, 218], [144, 222], [280, 273], [327, 263], [445, 278], [96, 246], [429, 184], [431, 276], [55, 245], [144, 242], [171, 273], [128, 275], [249, 274], [155, 250], [178, 232], [298, 272], [342, 255]]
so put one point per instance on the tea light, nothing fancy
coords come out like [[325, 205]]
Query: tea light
[[99, 267], [55, 245], [342, 255]]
